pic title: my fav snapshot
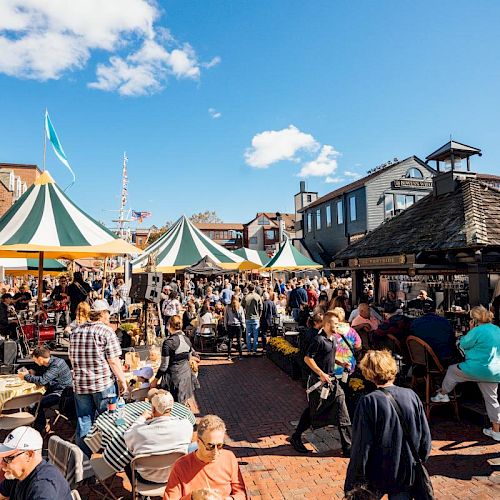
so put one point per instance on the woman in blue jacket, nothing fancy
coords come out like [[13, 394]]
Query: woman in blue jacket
[[481, 347]]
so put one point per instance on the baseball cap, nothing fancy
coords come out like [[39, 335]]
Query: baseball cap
[[162, 401], [21, 439], [144, 372], [100, 305]]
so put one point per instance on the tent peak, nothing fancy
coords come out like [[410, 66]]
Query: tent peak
[[45, 178]]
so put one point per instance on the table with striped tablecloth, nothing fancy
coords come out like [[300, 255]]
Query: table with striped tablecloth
[[108, 436]]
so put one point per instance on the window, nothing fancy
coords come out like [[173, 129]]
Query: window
[[404, 201], [414, 173], [318, 218], [328, 216], [253, 240], [211, 234], [270, 234], [309, 198], [263, 221], [352, 208], [388, 206], [340, 212], [309, 222]]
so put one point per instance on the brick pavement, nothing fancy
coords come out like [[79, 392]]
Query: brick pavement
[[258, 402]]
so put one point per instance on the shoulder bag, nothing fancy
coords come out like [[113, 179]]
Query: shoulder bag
[[422, 486]]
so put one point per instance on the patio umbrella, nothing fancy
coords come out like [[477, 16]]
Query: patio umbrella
[[288, 258], [258, 256], [183, 245]]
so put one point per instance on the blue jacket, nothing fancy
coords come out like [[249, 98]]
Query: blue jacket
[[437, 332], [481, 347]]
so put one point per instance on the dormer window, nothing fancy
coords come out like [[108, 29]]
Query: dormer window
[[414, 173], [263, 221]]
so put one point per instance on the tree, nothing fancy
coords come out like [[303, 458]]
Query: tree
[[206, 216], [156, 235]]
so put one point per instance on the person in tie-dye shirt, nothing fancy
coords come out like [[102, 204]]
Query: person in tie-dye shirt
[[344, 354]]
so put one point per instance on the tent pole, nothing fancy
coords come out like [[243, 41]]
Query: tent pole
[[105, 270], [40, 279]]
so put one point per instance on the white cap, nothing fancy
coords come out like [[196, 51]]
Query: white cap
[[100, 305], [162, 401], [144, 372], [21, 439]]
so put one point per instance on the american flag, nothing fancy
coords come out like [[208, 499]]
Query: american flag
[[140, 216]]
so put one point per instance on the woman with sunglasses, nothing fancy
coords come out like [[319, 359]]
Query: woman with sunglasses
[[481, 348], [210, 466]]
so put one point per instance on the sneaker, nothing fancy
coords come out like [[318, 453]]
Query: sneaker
[[298, 445], [492, 434], [440, 398]]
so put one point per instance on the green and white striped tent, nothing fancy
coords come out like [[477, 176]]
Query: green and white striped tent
[[183, 245], [288, 258], [45, 220], [258, 256], [21, 266]]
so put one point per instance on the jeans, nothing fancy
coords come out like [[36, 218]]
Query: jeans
[[58, 315], [252, 334], [88, 406], [47, 401]]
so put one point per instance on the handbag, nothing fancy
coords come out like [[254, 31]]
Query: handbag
[[422, 486]]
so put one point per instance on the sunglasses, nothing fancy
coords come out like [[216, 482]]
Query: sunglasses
[[8, 460], [211, 446]]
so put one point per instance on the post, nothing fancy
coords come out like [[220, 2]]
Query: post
[[105, 269], [40, 279]]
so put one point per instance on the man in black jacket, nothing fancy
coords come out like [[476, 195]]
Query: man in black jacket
[[7, 327]]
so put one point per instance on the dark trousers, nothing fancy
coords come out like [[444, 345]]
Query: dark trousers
[[264, 330], [234, 331], [47, 401], [305, 423]]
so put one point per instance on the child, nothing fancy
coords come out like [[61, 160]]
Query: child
[[144, 375]]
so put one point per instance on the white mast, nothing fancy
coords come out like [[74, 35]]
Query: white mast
[[123, 217]]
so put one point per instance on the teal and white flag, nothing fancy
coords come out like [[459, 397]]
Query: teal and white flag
[[56, 145]]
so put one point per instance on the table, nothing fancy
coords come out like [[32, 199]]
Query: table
[[104, 434], [20, 389]]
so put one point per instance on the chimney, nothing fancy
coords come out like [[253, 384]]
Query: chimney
[[302, 186]]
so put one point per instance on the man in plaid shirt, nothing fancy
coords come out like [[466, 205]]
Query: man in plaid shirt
[[95, 355]]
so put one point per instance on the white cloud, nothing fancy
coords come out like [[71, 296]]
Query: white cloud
[[214, 113], [324, 165], [333, 180], [354, 175], [272, 146], [44, 39]]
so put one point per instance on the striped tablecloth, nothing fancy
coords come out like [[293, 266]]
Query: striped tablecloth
[[105, 435]]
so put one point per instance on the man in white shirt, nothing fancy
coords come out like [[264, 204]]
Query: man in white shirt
[[157, 431]]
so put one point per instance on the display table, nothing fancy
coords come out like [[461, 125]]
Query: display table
[[12, 386]]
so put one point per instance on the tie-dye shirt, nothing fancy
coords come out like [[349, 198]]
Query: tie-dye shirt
[[344, 354]]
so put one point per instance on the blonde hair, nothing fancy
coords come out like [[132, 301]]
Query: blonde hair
[[378, 367], [175, 322], [339, 313], [210, 423], [481, 315], [82, 313]]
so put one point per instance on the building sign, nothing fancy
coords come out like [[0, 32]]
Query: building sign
[[388, 260], [411, 184]]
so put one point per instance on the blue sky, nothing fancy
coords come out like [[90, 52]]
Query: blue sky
[[326, 89]]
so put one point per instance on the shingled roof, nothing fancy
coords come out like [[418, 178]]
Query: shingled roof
[[468, 217]]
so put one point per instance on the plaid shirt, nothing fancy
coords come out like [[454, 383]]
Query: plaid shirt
[[91, 345]]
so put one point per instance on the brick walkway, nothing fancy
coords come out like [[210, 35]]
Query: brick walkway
[[258, 402]]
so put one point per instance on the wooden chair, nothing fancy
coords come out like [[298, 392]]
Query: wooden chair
[[163, 461], [422, 355], [9, 421], [207, 337]]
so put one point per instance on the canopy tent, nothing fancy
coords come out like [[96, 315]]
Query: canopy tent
[[22, 266], [288, 258], [183, 245], [205, 266], [45, 220], [258, 256]]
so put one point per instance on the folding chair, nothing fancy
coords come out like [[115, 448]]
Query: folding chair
[[422, 355], [139, 394], [205, 337], [160, 461], [9, 421]]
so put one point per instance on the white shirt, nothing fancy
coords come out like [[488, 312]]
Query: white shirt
[[158, 435]]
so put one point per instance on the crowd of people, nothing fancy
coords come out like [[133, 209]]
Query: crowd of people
[[337, 340]]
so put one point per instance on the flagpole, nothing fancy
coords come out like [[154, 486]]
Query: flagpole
[[44, 141]]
